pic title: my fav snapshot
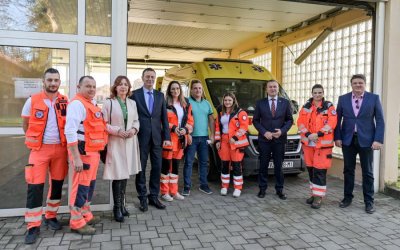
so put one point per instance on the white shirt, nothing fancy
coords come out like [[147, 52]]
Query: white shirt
[[179, 112], [225, 123], [51, 133], [76, 113]]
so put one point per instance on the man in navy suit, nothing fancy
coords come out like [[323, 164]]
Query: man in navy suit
[[272, 118], [153, 134], [360, 130]]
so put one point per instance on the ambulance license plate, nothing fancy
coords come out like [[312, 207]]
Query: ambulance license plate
[[285, 164]]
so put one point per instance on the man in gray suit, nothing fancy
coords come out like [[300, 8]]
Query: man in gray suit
[[153, 135]]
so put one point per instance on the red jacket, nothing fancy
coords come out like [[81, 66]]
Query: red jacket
[[237, 128]]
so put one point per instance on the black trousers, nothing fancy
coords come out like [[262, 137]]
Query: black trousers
[[366, 155], [155, 152], [275, 150]]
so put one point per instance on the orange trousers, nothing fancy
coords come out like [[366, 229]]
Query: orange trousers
[[50, 159], [317, 160], [231, 160], [83, 184], [169, 172]]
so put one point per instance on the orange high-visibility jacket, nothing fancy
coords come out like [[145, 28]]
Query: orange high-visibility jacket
[[38, 119], [95, 127], [186, 123], [321, 120], [237, 128]]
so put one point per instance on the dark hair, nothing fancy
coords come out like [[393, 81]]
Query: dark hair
[[317, 86], [51, 71], [83, 78], [147, 69], [360, 76], [235, 102], [168, 96], [117, 82], [194, 81], [268, 81]]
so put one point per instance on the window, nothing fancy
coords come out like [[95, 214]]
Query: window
[[344, 53], [264, 60], [53, 16]]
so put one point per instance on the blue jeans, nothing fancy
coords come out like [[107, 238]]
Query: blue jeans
[[199, 145]]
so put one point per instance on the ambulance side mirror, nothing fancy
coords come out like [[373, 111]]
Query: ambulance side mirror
[[295, 106]]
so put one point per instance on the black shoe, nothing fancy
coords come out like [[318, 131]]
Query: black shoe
[[369, 208], [261, 194], [345, 203], [281, 195], [32, 235], [316, 202], [156, 203], [53, 224], [143, 205]]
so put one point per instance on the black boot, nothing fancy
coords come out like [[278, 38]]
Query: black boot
[[124, 211], [117, 194]]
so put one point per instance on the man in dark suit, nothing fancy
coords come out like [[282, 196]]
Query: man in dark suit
[[153, 134], [272, 118], [360, 130]]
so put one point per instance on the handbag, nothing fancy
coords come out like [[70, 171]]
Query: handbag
[[103, 153]]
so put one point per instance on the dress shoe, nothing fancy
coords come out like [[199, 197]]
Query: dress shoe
[[281, 195], [261, 194], [156, 203], [53, 224], [32, 235], [85, 230], [369, 208], [345, 203], [143, 205]]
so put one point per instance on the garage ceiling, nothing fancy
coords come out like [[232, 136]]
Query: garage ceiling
[[189, 30]]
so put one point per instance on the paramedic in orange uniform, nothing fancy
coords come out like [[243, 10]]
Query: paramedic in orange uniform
[[43, 117], [86, 135], [180, 121], [317, 121], [231, 139]]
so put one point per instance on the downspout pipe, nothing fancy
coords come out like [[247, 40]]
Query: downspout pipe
[[379, 23]]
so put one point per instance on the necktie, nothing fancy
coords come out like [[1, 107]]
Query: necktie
[[151, 101], [273, 108]]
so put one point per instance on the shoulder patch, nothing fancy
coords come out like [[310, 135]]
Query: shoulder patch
[[244, 118], [97, 114], [333, 112], [39, 114]]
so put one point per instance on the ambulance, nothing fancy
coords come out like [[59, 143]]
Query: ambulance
[[246, 80]]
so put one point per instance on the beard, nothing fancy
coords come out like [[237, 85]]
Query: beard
[[50, 90]]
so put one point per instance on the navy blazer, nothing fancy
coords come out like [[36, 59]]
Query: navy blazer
[[154, 126], [263, 120], [370, 122]]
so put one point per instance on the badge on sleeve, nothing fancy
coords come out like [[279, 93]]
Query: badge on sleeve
[[97, 114], [333, 112], [39, 114], [244, 118], [237, 124]]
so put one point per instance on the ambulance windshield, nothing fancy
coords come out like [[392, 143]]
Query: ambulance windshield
[[246, 91]]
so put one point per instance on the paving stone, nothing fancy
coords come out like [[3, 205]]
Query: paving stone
[[111, 245], [222, 245], [160, 242], [187, 244]]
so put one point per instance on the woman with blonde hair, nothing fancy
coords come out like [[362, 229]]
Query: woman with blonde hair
[[123, 157]]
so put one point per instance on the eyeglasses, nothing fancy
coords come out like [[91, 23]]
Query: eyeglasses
[[357, 104]]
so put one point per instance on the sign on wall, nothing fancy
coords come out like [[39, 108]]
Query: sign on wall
[[25, 87]]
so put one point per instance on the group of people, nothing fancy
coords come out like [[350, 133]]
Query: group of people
[[133, 126]]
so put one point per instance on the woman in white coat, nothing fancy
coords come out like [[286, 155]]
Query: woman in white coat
[[123, 156]]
